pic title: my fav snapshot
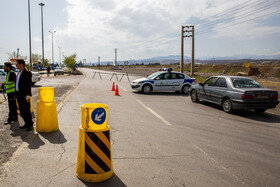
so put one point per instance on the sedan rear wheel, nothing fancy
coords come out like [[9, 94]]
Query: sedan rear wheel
[[194, 97], [227, 105], [147, 89]]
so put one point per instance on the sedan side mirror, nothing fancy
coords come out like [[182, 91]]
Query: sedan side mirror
[[201, 84]]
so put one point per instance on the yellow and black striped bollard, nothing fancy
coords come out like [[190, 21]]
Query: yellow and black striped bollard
[[94, 161]]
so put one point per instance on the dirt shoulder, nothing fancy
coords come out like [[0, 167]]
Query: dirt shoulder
[[11, 137]]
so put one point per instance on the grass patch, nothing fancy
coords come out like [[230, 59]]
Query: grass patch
[[199, 78]]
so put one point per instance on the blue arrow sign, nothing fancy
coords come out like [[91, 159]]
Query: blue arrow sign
[[76, 65], [98, 116], [39, 68], [53, 67]]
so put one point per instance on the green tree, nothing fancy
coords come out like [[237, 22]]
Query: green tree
[[46, 62], [70, 61], [36, 59]]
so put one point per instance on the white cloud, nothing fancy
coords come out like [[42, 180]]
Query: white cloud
[[141, 28]]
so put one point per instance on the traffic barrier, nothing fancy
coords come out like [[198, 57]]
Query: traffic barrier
[[113, 87], [46, 120], [94, 160], [117, 91]]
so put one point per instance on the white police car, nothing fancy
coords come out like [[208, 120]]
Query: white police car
[[164, 80], [2, 77]]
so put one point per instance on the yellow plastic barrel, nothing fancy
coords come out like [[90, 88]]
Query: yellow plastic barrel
[[46, 120], [94, 116], [46, 94]]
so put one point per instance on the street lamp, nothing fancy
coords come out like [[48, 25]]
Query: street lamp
[[52, 45], [42, 4], [60, 54], [30, 53]]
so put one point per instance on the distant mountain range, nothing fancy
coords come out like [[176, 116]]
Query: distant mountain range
[[176, 59], [237, 57]]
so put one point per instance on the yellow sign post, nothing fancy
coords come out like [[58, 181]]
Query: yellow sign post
[[247, 64], [94, 161]]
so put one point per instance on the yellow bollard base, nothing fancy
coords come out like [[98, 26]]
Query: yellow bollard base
[[94, 161], [46, 120], [95, 177]]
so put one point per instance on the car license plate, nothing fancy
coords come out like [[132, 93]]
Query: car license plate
[[263, 96]]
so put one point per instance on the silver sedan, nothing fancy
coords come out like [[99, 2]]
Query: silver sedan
[[235, 93]]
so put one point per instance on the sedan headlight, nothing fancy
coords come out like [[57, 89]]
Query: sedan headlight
[[137, 82]]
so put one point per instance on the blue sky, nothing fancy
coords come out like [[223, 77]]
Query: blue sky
[[140, 28]]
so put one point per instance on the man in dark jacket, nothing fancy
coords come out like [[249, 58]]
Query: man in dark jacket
[[23, 94], [10, 87]]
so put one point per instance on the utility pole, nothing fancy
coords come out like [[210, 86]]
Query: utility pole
[[43, 56], [192, 64], [52, 45], [29, 23], [99, 61], [17, 52], [186, 29], [182, 50], [59, 55], [115, 57]]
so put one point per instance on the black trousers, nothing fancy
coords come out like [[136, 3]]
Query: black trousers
[[12, 107], [24, 108]]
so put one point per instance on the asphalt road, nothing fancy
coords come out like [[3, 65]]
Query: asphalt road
[[161, 139]]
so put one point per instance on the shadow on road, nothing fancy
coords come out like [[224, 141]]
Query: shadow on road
[[249, 114], [265, 117], [33, 140], [54, 137], [114, 181]]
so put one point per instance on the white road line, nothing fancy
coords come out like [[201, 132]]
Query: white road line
[[122, 88], [153, 112], [219, 165]]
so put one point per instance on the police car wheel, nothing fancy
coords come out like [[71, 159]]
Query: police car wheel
[[147, 89], [185, 89]]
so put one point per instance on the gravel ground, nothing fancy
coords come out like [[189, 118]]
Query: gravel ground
[[11, 137]]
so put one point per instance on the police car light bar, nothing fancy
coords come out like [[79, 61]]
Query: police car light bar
[[166, 69]]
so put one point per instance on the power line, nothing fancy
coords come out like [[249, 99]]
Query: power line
[[247, 14], [232, 13], [222, 13], [278, 11]]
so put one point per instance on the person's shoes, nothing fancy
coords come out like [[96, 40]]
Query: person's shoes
[[29, 128], [14, 120], [8, 122], [23, 127]]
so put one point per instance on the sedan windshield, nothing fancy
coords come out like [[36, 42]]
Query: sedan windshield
[[245, 83], [154, 75]]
